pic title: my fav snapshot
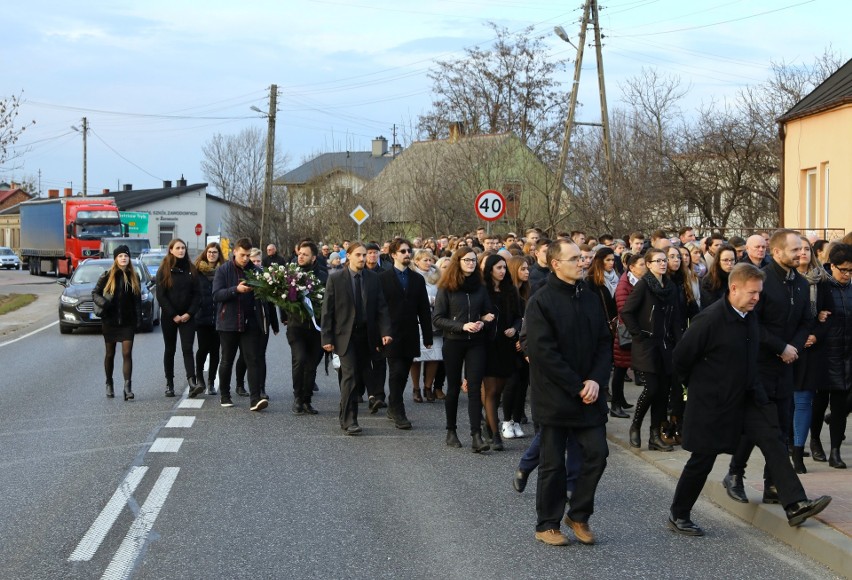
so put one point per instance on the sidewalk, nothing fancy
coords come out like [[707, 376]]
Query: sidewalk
[[827, 538]]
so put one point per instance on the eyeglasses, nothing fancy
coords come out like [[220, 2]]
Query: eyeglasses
[[728, 260], [574, 259], [469, 260], [844, 271], [404, 251], [660, 261]]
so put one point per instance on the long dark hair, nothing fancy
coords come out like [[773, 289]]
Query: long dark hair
[[454, 276], [169, 262], [507, 298], [718, 277], [597, 269]]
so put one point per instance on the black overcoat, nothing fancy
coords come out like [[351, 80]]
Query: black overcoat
[[654, 326], [338, 311], [717, 361], [407, 309]]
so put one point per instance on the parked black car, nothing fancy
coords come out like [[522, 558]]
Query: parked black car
[[76, 309]]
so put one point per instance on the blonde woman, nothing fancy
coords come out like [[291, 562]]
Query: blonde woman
[[429, 360], [119, 294]]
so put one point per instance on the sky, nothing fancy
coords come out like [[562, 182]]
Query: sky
[[156, 80]]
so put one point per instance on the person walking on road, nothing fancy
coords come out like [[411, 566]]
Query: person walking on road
[[570, 351], [356, 326], [717, 360], [205, 321], [177, 294], [119, 295]]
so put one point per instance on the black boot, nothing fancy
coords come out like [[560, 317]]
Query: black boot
[[656, 443], [817, 452], [202, 384], [477, 443], [643, 403], [195, 388], [170, 387], [497, 444], [635, 436], [110, 392], [798, 460], [128, 394], [453, 438], [834, 459], [211, 388]]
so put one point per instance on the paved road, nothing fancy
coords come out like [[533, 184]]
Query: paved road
[[270, 495]]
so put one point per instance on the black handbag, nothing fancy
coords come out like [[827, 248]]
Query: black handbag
[[623, 335]]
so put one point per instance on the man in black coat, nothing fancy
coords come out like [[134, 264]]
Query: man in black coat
[[785, 322], [570, 352], [304, 339], [717, 359], [408, 305], [356, 325], [540, 270]]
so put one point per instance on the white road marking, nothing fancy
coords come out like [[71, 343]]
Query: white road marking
[[166, 445], [29, 334], [191, 404], [125, 558], [180, 422], [100, 528]]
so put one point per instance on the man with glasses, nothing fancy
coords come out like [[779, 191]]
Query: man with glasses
[[408, 305], [785, 322], [567, 370], [755, 251]]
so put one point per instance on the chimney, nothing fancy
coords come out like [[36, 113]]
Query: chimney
[[380, 146], [456, 131], [167, 184], [396, 149], [13, 186], [106, 190], [68, 192], [128, 187], [52, 193], [182, 181]]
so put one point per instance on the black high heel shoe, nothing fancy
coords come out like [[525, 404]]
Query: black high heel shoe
[[128, 394], [110, 392]]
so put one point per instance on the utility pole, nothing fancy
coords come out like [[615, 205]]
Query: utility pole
[[84, 131], [590, 12], [270, 158]]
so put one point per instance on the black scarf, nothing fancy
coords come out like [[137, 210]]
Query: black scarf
[[664, 293], [471, 284]]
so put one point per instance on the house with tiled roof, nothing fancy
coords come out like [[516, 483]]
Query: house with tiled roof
[[816, 158], [11, 194]]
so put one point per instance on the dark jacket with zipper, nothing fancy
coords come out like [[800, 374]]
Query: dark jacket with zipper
[[123, 308], [235, 311], [207, 312], [455, 309], [568, 342], [653, 323], [182, 297]]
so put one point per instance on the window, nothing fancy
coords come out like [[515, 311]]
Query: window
[[809, 203], [825, 191], [166, 233]]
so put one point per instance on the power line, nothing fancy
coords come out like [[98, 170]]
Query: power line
[[143, 170]]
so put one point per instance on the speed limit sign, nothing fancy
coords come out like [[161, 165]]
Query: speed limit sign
[[490, 205]]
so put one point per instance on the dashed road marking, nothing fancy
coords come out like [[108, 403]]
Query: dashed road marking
[[166, 445], [191, 404], [124, 560], [100, 528], [180, 422]]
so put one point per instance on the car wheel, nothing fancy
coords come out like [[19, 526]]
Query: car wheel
[[65, 329]]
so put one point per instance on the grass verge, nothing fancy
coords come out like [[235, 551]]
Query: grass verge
[[10, 302]]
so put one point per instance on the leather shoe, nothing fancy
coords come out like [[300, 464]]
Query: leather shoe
[[735, 488], [770, 494], [635, 439], [519, 482], [399, 421], [581, 531], [353, 429], [453, 438], [834, 459], [309, 409], [802, 510], [684, 526], [241, 391], [618, 412], [298, 408], [375, 405], [552, 538], [817, 451]]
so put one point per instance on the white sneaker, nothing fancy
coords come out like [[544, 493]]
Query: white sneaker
[[507, 431], [516, 429]]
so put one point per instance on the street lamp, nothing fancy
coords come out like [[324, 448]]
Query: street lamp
[[270, 156], [84, 131]]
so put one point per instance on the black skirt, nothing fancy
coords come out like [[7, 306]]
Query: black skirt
[[117, 333]]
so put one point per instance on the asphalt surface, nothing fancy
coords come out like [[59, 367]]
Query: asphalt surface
[[270, 495]]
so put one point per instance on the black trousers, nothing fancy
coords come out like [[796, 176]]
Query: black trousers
[[552, 480], [306, 353], [187, 340], [208, 344], [262, 341], [839, 412], [783, 407], [397, 379], [246, 342], [470, 355], [355, 364], [515, 393]]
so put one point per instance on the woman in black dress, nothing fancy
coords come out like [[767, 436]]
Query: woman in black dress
[[119, 295], [501, 355]]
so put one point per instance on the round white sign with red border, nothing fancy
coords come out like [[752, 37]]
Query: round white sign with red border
[[490, 205]]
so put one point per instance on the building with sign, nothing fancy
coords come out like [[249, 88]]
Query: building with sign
[[182, 211]]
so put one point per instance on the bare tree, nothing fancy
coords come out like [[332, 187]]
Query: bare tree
[[9, 133]]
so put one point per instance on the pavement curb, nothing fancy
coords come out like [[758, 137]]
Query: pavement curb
[[814, 538]]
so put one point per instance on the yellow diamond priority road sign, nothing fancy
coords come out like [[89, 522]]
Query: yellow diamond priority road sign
[[359, 215]]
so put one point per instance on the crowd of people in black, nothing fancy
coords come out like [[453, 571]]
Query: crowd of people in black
[[736, 343]]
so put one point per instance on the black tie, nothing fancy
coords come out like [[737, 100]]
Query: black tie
[[359, 302]]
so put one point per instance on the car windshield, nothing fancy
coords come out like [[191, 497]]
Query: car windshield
[[6, 252], [98, 231], [152, 259], [89, 273]]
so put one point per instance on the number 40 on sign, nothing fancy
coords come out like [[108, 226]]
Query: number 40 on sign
[[490, 205]]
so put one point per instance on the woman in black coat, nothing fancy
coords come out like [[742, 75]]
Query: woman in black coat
[[651, 315], [602, 280], [715, 284], [177, 293], [205, 321], [119, 295], [462, 309]]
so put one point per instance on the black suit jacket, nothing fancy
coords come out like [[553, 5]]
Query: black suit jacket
[[338, 311], [407, 309]]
